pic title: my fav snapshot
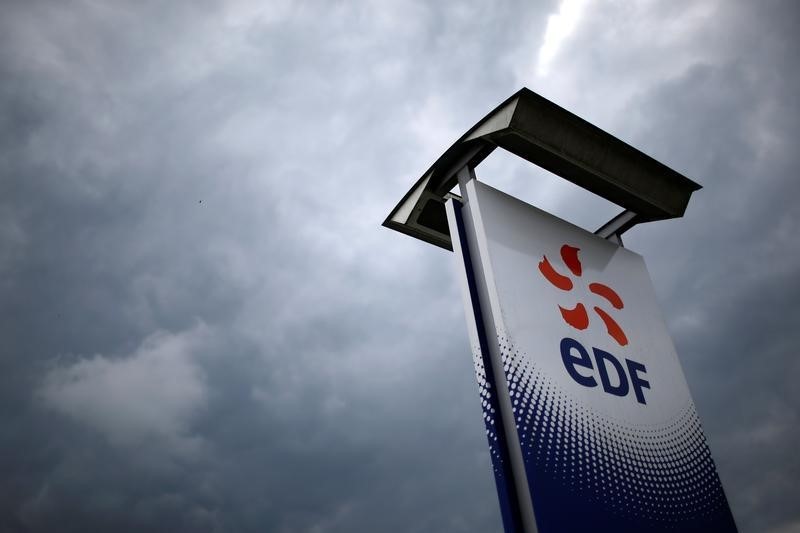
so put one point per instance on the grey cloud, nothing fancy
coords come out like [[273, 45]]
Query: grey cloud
[[139, 400], [164, 173]]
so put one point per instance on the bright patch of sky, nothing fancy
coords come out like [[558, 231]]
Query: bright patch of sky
[[559, 26]]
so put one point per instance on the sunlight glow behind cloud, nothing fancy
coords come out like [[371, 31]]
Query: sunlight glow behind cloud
[[559, 27]]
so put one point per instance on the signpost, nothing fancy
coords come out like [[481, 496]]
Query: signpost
[[590, 422]]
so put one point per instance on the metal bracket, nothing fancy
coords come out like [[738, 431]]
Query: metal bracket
[[614, 228]]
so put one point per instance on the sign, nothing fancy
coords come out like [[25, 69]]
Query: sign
[[590, 421]]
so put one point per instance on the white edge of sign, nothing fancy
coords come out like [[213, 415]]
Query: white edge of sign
[[490, 308]]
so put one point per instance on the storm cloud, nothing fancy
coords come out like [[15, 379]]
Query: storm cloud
[[204, 326]]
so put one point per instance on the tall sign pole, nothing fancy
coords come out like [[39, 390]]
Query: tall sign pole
[[590, 422]]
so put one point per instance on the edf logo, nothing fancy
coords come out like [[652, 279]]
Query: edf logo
[[573, 353]]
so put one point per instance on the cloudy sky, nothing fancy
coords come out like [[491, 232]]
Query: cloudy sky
[[205, 328]]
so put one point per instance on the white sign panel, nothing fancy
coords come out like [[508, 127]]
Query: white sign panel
[[599, 423]]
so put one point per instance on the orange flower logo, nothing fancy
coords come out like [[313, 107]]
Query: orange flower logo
[[577, 317]]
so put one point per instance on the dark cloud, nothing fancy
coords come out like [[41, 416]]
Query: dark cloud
[[204, 328]]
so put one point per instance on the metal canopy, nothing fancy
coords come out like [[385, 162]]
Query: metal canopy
[[551, 137]]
